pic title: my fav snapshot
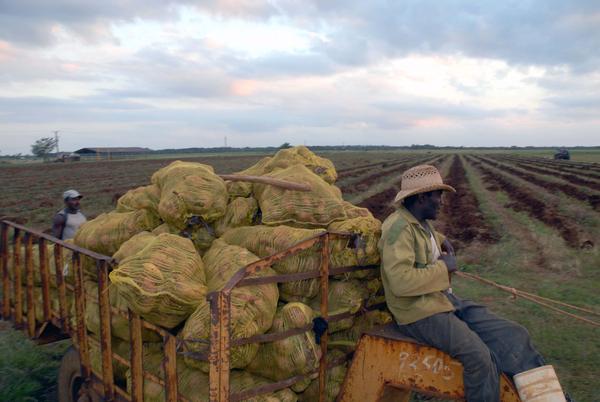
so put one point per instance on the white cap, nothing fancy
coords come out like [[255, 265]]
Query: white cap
[[71, 194]]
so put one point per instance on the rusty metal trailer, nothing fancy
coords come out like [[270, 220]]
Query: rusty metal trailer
[[386, 366]]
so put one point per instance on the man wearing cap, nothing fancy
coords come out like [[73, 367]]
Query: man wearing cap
[[67, 220], [416, 265]]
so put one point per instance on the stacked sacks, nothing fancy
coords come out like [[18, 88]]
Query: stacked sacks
[[146, 197], [252, 307], [164, 282], [359, 249], [107, 232], [295, 355], [343, 297], [316, 208], [285, 158], [244, 189], [119, 323], [347, 339], [303, 156], [193, 384], [240, 212], [121, 348], [333, 380], [265, 241], [189, 189], [203, 231]]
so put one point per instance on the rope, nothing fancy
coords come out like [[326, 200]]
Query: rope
[[535, 299]]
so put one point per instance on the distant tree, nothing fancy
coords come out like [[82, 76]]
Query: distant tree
[[285, 145], [42, 147]]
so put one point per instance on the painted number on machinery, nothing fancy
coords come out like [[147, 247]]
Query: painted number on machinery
[[431, 362]]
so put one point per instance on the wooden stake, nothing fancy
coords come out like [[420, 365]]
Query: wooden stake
[[271, 181]]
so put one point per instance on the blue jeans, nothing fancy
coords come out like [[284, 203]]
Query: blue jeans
[[484, 343]]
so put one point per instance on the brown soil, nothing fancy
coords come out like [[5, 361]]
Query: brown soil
[[461, 219], [358, 170], [569, 177], [522, 199], [345, 170], [365, 182], [589, 171], [571, 191]]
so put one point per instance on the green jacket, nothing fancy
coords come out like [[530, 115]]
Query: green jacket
[[413, 283]]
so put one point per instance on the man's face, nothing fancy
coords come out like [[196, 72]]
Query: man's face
[[73, 203], [432, 203]]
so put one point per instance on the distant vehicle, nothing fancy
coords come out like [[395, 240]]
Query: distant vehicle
[[67, 157], [562, 154]]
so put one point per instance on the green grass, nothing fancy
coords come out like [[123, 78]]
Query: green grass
[[570, 275], [28, 372]]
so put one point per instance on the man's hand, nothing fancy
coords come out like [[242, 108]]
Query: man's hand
[[447, 247], [450, 261]]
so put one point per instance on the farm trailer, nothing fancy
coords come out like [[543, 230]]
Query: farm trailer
[[385, 366]]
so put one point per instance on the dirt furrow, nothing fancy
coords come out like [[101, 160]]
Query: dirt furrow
[[523, 200], [348, 171], [383, 165], [461, 219], [586, 171], [571, 191], [566, 176]]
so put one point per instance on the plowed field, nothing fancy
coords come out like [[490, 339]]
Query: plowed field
[[527, 222]]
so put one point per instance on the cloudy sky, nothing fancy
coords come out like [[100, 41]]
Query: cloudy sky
[[175, 74]]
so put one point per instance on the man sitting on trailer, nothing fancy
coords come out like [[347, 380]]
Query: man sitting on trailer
[[67, 220], [416, 265]]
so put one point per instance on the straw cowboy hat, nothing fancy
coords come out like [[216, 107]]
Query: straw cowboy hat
[[420, 179]]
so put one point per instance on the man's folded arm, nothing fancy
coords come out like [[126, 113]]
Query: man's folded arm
[[403, 277]]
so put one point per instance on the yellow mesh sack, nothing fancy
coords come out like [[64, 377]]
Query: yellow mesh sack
[[360, 248], [164, 282], [107, 232], [295, 355], [121, 348], [240, 212], [301, 155], [145, 197], [333, 381], [201, 234], [316, 208], [189, 189], [265, 241], [38, 302], [348, 338], [119, 323], [88, 265], [164, 228], [343, 297], [193, 384], [355, 212], [244, 189], [252, 307], [133, 245]]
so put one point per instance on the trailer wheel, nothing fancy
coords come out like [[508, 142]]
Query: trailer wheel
[[70, 379]]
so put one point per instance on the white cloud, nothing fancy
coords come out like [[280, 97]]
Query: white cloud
[[320, 72]]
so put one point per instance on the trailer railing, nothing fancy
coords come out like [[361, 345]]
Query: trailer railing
[[57, 324]]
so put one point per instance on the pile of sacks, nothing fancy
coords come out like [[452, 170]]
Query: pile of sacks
[[189, 231]]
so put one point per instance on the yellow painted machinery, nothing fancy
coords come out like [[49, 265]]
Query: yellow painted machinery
[[388, 366]]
